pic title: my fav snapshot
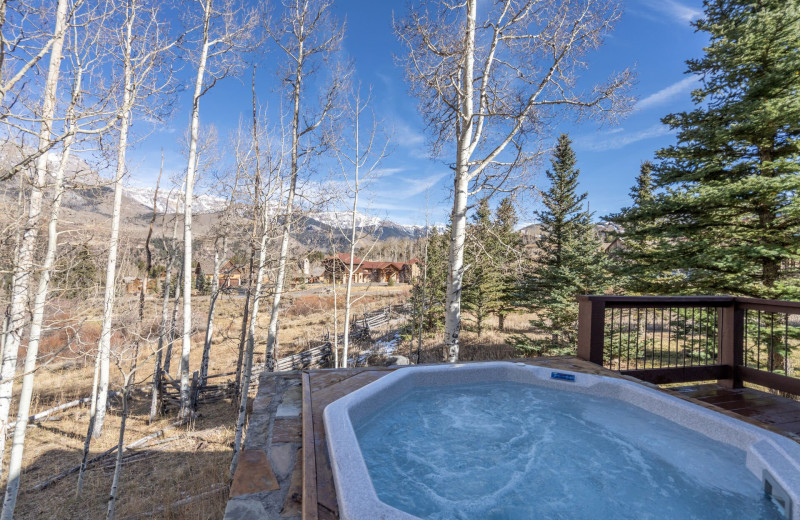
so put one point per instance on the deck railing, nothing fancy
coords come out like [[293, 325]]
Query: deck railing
[[675, 339]]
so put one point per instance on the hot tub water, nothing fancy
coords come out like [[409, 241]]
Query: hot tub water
[[506, 450]]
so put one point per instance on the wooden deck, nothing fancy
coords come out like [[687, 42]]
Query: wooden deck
[[780, 413], [322, 387]]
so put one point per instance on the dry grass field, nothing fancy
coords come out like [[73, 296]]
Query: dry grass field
[[185, 461]]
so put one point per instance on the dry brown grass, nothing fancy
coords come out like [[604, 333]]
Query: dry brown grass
[[490, 345], [185, 467]]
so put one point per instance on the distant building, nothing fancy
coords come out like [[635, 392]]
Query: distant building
[[606, 232], [365, 271], [133, 284], [230, 274]]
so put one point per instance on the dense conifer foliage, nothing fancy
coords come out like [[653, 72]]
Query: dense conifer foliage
[[569, 261], [725, 215]]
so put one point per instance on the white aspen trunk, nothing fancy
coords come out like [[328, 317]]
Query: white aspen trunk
[[26, 393], [335, 316], [458, 231], [272, 333], [112, 497], [212, 305], [23, 271], [21, 208], [349, 288], [191, 166], [173, 320], [248, 296], [87, 443], [162, 334], [248, 356], [456, 271], [253, 236], [104, 350], [243, 331], [163, 328]]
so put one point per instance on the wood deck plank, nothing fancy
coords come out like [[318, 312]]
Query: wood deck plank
[[309, 506], [322, 397]]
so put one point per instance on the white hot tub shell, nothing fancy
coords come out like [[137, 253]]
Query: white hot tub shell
[[772, 458]]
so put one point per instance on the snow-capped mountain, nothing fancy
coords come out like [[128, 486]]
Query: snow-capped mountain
[[202, 203], [343, 219], [320, 222]]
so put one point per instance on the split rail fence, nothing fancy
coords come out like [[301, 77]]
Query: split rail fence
[[319, 356]]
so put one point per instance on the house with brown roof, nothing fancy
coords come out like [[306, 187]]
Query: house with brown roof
[[230, 274], [365, 271]]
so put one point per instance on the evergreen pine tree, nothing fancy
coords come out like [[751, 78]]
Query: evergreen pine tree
[[726, 216], [632, 271], [431, 309], [642, 193], [569, 261], [511, 254], [482, 281]]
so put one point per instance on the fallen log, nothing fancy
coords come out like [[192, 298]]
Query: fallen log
[[52, 480], [109, 465], [66, 406]]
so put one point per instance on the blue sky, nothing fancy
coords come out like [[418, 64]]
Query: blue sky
[[653, 36]]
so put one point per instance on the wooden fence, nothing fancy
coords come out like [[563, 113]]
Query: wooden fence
[[320, 356], [675, 339]]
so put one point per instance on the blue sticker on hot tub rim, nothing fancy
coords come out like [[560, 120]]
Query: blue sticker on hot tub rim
[[562, 376]]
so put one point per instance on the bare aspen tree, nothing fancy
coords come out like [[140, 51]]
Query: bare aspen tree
[[272, 186], [87, 442], [13, 66], [126, 356], [352, 233], [220, 252], [164, 327], [359, 153], [23, 27], [220, 256], [174, 320], [24, 268], [494, 87], [226, 30], [112, 496], [306, 35], [241, 165], [142, 45], [148, 266], [335, 265], [46, 269]]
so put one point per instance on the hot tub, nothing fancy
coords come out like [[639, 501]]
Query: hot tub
[[509, 440]]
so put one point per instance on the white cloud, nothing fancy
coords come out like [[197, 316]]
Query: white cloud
[[667, 93], [387, 206], [604, 141], [406, 136], [386, 172], [675, 10], [413, 186]]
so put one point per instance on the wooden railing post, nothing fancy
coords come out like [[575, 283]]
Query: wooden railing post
[[730, 327], [591, 328]]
